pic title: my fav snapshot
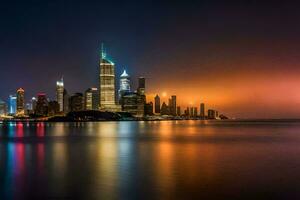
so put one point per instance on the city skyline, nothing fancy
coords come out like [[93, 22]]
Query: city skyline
[[233, 64]]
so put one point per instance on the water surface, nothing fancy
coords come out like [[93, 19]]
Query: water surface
[[150, 160]]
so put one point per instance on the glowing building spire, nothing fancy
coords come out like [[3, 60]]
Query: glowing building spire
[[103, 53]]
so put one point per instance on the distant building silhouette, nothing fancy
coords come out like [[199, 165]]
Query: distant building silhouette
[[141, 86], [211, 114], [195, 112], [178, 112], [53, 108], [149, 108], [172, 105], [76, 102], [202, 111], [41, 105], [164, 109], [157, 104], [66, 102]]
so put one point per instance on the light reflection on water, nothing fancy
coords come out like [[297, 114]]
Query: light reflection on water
[[155, 160]]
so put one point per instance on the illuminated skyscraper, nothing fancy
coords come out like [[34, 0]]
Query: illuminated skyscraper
[[157, 104], [124, 84], [133, 103], [33, 103], [91, 99], [3, 108], [141, 86], [107, 84], [60, 94], [20, 101], [12, 104]]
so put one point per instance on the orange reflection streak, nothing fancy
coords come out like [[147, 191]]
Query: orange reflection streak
[[165, 167]]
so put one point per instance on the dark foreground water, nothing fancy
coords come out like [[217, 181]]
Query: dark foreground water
[[150, 160]]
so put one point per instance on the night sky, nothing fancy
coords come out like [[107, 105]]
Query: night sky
[[240, 58]]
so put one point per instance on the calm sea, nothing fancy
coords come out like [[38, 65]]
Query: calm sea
[[150, 160]]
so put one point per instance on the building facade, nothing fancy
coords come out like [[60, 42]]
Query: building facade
[[141, 86], [133, 103], [172, 105], [3, 108], [157, 104], [66, 102], [107, 82], [91, 99], [76, 102], [60, 94], [124, 84], [164, 109], [20, 101], [202, 111], [41, 108], [211, 114], [12, 110]]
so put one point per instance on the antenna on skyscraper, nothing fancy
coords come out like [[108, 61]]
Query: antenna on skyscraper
[[103, 53]]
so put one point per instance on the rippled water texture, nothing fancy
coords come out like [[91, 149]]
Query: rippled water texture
[[150, 160]]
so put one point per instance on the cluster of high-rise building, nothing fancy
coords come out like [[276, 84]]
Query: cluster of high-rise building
[[104, 98], [171, 109]]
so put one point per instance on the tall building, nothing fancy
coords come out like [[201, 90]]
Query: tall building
[[149, 108], [187, 112], [133, 103], [66, 102], [20, 101], [195, 112], [53, 108], [211, 114], [124, 84], [164, 109], [76, 102], [33, 103], [91, 99], [12, 105], [41, 108], [60, 94], [107, 81], [178, 112], [202, 110], [3, 108], [157, 104], [141, 86], [172, 105]]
